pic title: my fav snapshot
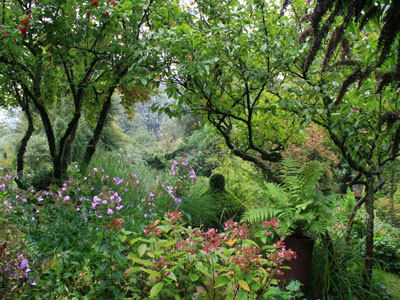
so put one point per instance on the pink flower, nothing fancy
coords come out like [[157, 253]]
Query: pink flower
[[95, 169], [110, 211]]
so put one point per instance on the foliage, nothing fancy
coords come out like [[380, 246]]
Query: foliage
[[297, 203], [392, 281], [226, 64], [82, 52], [337, 272], [386, 250], [383, 206], [15, 250], [177, 261], [204, 150], [347, 74]]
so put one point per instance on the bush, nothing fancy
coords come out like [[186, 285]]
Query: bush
[[386, 247], [175, 261]]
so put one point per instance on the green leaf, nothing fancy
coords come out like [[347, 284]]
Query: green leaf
[[193, 277], [135, 240], [242, 295], [142, 249], [156, 289], [221, 281], [133, 270], [136, 259], [122, 237], [172, 276]]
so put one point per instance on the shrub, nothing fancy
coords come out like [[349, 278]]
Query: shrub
[[176, 261]]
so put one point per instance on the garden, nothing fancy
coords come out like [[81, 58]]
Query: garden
[[162, 149]]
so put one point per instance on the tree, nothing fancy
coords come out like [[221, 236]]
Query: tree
[[347, 74], [83, 51], [225, 62]]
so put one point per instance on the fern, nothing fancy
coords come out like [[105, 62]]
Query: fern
[[297, 203]]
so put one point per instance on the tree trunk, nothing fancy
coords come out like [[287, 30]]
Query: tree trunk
[[392, 191], [67, 140], [22, 147], [369, 239], [91, 147]]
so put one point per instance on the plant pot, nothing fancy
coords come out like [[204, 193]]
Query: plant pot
[[300, 267]]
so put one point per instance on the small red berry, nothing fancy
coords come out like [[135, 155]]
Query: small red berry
[[22, 30], [24, 22], [107, 14], [95, 3], [30, 16], [5, 34]]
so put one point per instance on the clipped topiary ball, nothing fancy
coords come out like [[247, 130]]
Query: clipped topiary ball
[[217, 182]]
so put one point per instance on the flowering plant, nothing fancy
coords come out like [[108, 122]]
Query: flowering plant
[[175, 260]]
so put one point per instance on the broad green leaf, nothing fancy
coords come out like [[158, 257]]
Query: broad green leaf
[[156, 289], [221, 281], [142, 249], [122, 237], [193, 277]]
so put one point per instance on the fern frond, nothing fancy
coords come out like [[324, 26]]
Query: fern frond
[[260, 214], [276, 192]]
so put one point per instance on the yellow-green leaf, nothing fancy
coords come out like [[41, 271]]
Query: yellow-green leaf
[[243, 284]]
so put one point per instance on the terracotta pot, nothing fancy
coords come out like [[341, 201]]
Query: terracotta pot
[[300, 267]]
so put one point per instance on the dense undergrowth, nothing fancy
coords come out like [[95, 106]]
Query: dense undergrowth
[[125, 231]]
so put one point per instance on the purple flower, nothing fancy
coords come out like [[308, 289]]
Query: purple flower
[[192, 175], [76, 166], [2, 187], [85, 218], [176, 163], [105, 202], [151, 195], [185, 163], [66, 198], [40, 198], [95, 169], [119, 207], [110, 211], [32, 282]]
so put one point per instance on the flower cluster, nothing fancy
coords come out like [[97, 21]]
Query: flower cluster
[[153, 230], [106, 202], [270, 226], [281, 254], [181, 169], [19, 268]]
